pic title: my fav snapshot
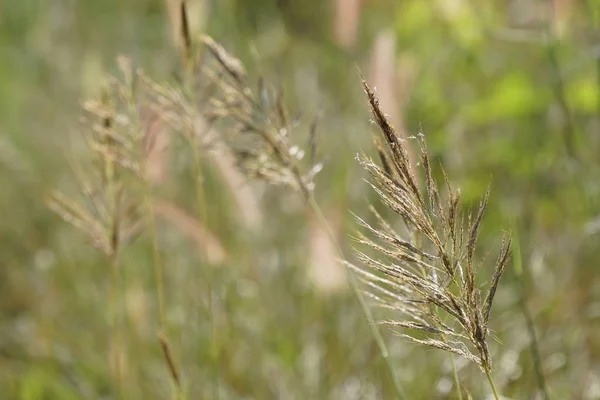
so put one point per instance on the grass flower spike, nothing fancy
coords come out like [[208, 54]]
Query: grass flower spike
[[428, 274]]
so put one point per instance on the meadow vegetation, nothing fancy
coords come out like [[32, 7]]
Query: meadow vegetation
[[279, 199]]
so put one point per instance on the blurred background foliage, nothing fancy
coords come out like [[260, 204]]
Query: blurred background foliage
[[506, 92]]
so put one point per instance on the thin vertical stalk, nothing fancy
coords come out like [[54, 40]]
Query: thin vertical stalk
[[160, 286], [377, 336], [167, 353], [192, 137], [148, 197], [202, 215], [158, 266], [187, 47], [112, 255], [492, 385], [138, 130], [114, 322], [455, 375], [569, 130], [158, 273], [535, 352]]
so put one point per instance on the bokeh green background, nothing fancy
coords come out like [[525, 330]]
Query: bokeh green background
[[507, 92]]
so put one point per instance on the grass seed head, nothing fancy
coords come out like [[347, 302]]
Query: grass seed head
[[428, 275]]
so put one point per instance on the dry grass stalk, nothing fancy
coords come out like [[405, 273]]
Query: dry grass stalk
[[186, 37], [168, 355], [178, 15], [433, 267]]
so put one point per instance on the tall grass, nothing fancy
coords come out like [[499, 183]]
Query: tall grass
[[254, 304], [434, 285], [435, 268]]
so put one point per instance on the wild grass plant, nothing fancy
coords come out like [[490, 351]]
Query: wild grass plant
[[114, 204], [417, 282], [258, 131]]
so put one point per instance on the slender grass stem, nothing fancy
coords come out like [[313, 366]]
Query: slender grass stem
[[114, 323], [188, 53], [202, 214], [112, 255], [201, 207], [166, 348], [159, 278], [492, 385], [559, 87], [359, 296], [151, 220], [455, 375], [159, 273], [535, 351], [158, 266]]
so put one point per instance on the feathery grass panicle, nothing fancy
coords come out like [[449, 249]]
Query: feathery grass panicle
[[171, 104], [258, 128], [432, 267], [258, 132], [262, 132], [121, 143], [107, 210]]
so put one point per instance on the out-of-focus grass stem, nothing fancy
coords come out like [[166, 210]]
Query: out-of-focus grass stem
[[375, 331]]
